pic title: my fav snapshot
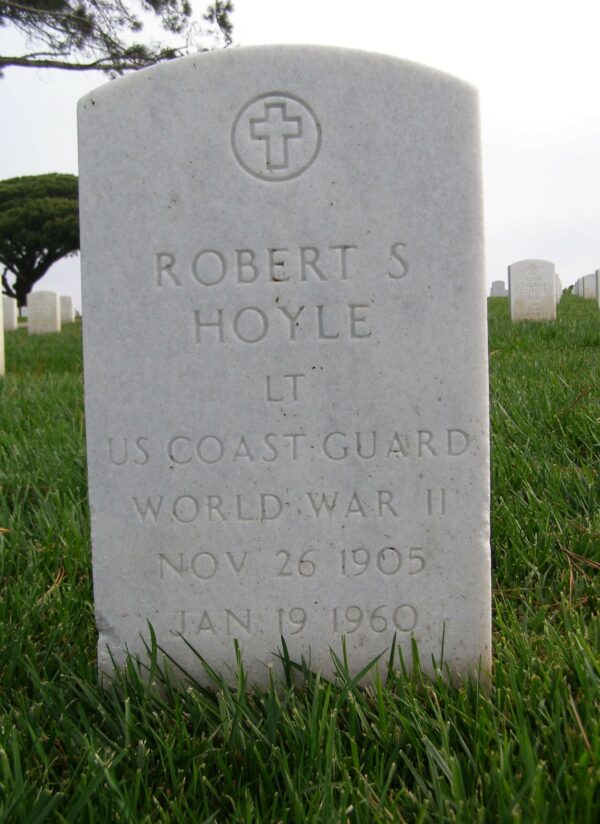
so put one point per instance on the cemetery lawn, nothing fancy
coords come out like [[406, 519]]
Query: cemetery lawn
[[410, 751]]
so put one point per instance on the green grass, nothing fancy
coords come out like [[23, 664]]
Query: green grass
[[412, 750]]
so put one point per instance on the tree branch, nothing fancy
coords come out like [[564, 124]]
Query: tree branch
[[80, 35], [34, 10], [103, 64]]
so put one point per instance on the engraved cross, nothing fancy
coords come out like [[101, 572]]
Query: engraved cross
[[276, 128]]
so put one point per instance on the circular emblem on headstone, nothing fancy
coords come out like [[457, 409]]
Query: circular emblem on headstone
[[531, 267], [276, 136]]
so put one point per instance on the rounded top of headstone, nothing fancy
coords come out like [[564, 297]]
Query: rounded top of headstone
[[268, 55], [535, 261], [532, 266]]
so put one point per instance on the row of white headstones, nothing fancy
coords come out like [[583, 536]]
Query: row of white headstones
[[588, 287], [47, 312], [535, 289]]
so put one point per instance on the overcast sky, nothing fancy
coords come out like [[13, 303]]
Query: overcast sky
[[536, 65]]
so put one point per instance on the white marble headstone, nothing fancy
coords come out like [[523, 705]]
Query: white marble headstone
[[285, 360], [67, 314], [532, 287], [558, 288], [44, 313], [498, 289], [588, 284], [11, 314]]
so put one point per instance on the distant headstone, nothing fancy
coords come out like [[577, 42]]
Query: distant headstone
[[498, 289], [11, 315], [588, 287], [67, 315], [1, 338], [598, 285], [44, 313], [558, 288], [532, 288], [286, 379]]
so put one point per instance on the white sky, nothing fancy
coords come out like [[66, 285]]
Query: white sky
[[536, 64]]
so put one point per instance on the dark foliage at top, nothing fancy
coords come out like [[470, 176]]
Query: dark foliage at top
[[102, 34]]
